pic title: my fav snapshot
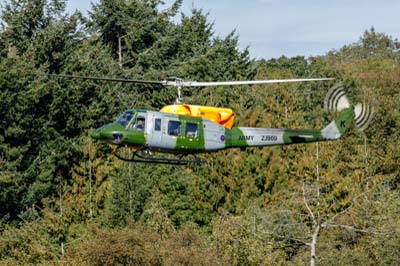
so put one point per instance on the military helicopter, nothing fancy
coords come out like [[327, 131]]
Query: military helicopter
[[187, 130]]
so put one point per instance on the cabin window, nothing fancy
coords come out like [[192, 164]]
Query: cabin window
[[191, 130], [174, 128], [157, 124]]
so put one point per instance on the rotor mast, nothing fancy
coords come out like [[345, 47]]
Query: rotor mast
[[179, 85]]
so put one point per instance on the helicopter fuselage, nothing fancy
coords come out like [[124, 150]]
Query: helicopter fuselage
[[180, 134]]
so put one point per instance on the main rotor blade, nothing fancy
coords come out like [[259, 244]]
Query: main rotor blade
[[182, 83], [110, 79], [247, 82]]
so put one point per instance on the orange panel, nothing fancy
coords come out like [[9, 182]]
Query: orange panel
[[222, 116]]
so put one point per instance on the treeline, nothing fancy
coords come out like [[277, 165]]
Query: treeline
[[65, 199]]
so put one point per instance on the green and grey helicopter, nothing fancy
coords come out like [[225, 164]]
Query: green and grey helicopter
[[187, 130]]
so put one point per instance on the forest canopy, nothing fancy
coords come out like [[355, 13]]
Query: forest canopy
[[65, 199]]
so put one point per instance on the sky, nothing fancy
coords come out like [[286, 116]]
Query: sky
[[272, 28]]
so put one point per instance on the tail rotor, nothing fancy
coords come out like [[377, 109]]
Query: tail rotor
[[337, 100], [363, 116]]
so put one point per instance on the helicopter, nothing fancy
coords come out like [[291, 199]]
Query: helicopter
[[185, 130]]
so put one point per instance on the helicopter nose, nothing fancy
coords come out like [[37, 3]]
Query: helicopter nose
[[100, 133], [110, 133], [95, 134]]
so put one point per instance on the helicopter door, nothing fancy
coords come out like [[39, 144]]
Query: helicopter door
[[191, 136], [154, 131]]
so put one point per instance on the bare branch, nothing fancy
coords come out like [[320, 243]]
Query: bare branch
[[306, 203], [355, 229], [343, 211], [285, 237]]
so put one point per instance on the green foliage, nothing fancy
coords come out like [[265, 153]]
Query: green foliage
[[371, 45], [139, 245], [138, 22], [29, 244], [236, 240], [60, 192]]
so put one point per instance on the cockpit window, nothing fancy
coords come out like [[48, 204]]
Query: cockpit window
[[125, 118], [140, 123]]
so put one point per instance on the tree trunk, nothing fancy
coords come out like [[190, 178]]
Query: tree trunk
[[313, 245]]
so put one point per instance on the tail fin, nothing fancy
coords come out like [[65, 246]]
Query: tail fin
[[340, 125], [336, 100]]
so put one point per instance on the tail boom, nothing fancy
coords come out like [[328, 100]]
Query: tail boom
[[242, 137]]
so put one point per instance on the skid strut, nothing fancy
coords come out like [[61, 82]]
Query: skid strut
[[145, 156]]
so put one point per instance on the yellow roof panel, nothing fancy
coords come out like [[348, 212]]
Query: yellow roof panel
[[222, 116]]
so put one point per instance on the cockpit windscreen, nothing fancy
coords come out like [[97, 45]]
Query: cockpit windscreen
[[125, 118]]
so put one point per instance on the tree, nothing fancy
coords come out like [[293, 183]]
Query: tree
[[28, 244], [138, 24]]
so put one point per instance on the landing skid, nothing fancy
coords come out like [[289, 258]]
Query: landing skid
[[145, 156]]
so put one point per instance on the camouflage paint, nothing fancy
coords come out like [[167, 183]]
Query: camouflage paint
[[213, 137], [259, 137], [195, 144], [115, 133]]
